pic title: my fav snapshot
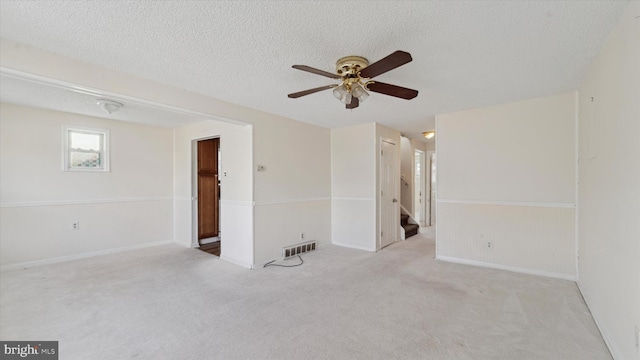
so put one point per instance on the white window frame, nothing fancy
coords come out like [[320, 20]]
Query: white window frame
[[66, 149]]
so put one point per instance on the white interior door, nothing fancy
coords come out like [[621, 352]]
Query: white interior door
[[389, 217]]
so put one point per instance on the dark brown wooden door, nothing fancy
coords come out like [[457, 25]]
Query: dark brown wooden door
[[208, 189]]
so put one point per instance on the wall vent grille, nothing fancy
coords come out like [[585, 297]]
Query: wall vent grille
[[293, 250]]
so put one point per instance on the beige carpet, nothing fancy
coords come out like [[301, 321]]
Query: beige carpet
[[169, 302]]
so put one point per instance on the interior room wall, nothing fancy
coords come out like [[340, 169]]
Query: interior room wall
[[128, 207], [418, 145], [293, 192], [497, 185], [353, 186], [295, 155], [236, 187], [430, 146], [609, 191]]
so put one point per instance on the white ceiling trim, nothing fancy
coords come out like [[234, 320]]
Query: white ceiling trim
[[65, 85]]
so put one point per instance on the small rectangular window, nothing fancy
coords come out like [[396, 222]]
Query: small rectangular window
[[85, 149]]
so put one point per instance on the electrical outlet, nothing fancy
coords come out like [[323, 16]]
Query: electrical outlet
[[75, 225], [301, 236], [489, 245]]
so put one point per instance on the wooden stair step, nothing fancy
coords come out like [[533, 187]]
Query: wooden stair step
[[410, 230]]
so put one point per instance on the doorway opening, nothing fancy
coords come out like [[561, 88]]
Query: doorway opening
[[208, 195]]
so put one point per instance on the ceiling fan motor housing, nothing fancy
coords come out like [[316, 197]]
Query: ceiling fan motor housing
[[350, 66]]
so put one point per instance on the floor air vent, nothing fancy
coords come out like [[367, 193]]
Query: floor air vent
[[298, 249]]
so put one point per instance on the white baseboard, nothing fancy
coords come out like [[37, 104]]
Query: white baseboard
[[612, 349], [236, 262], [59, 259], [507, 268]]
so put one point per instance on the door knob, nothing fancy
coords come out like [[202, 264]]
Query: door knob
[[395, 200]]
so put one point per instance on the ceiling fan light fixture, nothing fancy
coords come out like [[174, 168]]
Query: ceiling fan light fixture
[[429, 134], [340, 91], [346, 98], [359, 92]]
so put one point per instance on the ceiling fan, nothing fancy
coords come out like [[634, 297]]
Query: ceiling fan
[[354, 73]]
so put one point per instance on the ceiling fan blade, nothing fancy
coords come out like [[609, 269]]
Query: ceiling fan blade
[[316, 71], [310, 91], [392, 90], [390, 62], [354, 103]]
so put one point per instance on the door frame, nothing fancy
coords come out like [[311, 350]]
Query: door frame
[[396, 207], [428, 187], [421, 186], [195, 242]]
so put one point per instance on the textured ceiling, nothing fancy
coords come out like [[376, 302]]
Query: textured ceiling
[[466, 54]]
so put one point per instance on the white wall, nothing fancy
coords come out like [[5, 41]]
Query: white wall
[[429, 146], [497, 184], [130, 206], [296, 155], [609, 190], [293, 193], [517, 152], [353, 185], [262, 211], [529, 239], [236, 210]]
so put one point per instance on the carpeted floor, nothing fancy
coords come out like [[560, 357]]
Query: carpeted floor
[[170, 302]]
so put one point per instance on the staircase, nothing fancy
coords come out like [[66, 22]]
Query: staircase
[[409, 229]]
